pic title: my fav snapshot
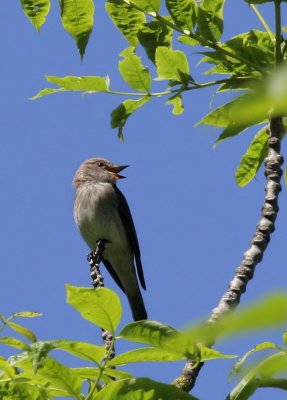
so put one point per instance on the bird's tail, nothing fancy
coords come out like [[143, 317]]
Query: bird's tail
[[137, 306]]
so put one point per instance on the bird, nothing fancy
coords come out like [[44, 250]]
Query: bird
[[101, 212]]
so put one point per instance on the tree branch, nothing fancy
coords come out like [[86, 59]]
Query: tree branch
[[94, 259], [266, 225]]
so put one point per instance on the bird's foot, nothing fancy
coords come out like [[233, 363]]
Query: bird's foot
[[94, 259]]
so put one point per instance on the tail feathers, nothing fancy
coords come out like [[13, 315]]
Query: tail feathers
[[137, 306]]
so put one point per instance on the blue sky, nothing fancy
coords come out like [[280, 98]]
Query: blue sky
[[193, 222]]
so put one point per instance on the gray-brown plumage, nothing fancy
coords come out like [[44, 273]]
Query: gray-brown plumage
[[102, 212]]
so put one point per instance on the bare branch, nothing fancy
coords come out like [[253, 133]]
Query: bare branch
[[266, 225]]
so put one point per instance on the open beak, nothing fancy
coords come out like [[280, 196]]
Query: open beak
[[117, 168]]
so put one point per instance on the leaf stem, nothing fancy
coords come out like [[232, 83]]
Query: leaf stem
[[96, 384], [278, 55], [263, 21], [186, 88], [102, 368]]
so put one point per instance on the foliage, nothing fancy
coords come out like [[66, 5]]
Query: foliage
[[263, 373], [246, 61], [36, 374]]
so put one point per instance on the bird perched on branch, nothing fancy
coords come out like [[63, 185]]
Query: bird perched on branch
[[102, 213]]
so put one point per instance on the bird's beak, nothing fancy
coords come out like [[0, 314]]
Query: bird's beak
[[117, 168]]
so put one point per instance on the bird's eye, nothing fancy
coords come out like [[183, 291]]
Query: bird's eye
[[100, 164]]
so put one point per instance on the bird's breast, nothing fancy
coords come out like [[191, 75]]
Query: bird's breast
[[96, 214]]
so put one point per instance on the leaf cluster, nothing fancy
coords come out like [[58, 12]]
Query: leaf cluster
[[246, 60], [36, 374]]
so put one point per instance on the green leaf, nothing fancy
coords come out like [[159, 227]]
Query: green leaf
[[127, 19], [149, 6], [274, 364], [23, 390], [84, 350], [237, 112], [78, 19], [117, 373], [259, 347], [120, 114], [176, 102], [245, 389], [24, 361], [25, 357], [254, 317], [230, 131], [253, 158], [141, 389], [183, 12], [16, 343], [87, 372], [154, 34], [237, 83], [254, 46], [210, 19], [4, 366], [246, 110], [23, 331], [189, 41], [159, 335], [27, 314], [81, 83], [172, 65], [269, 312], [207, 353], [45, 92], [149, 332], [88, 84], [2, 318], [100, 306], [145, 354], [38, 351], [107, 375], [58, 375], [133, 72], [277, 92], [260, 1], [36, 11]]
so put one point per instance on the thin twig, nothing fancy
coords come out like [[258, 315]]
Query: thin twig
[[266, 225], [94, 259]]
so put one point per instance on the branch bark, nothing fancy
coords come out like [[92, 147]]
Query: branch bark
[[94, 259], [266, 225]]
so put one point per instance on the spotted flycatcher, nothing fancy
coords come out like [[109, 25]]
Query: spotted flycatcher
[[102, 213]]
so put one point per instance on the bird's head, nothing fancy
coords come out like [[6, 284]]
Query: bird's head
[[98, 170]]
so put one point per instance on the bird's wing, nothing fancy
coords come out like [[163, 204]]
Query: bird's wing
[[127, 219], [113, 274]]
